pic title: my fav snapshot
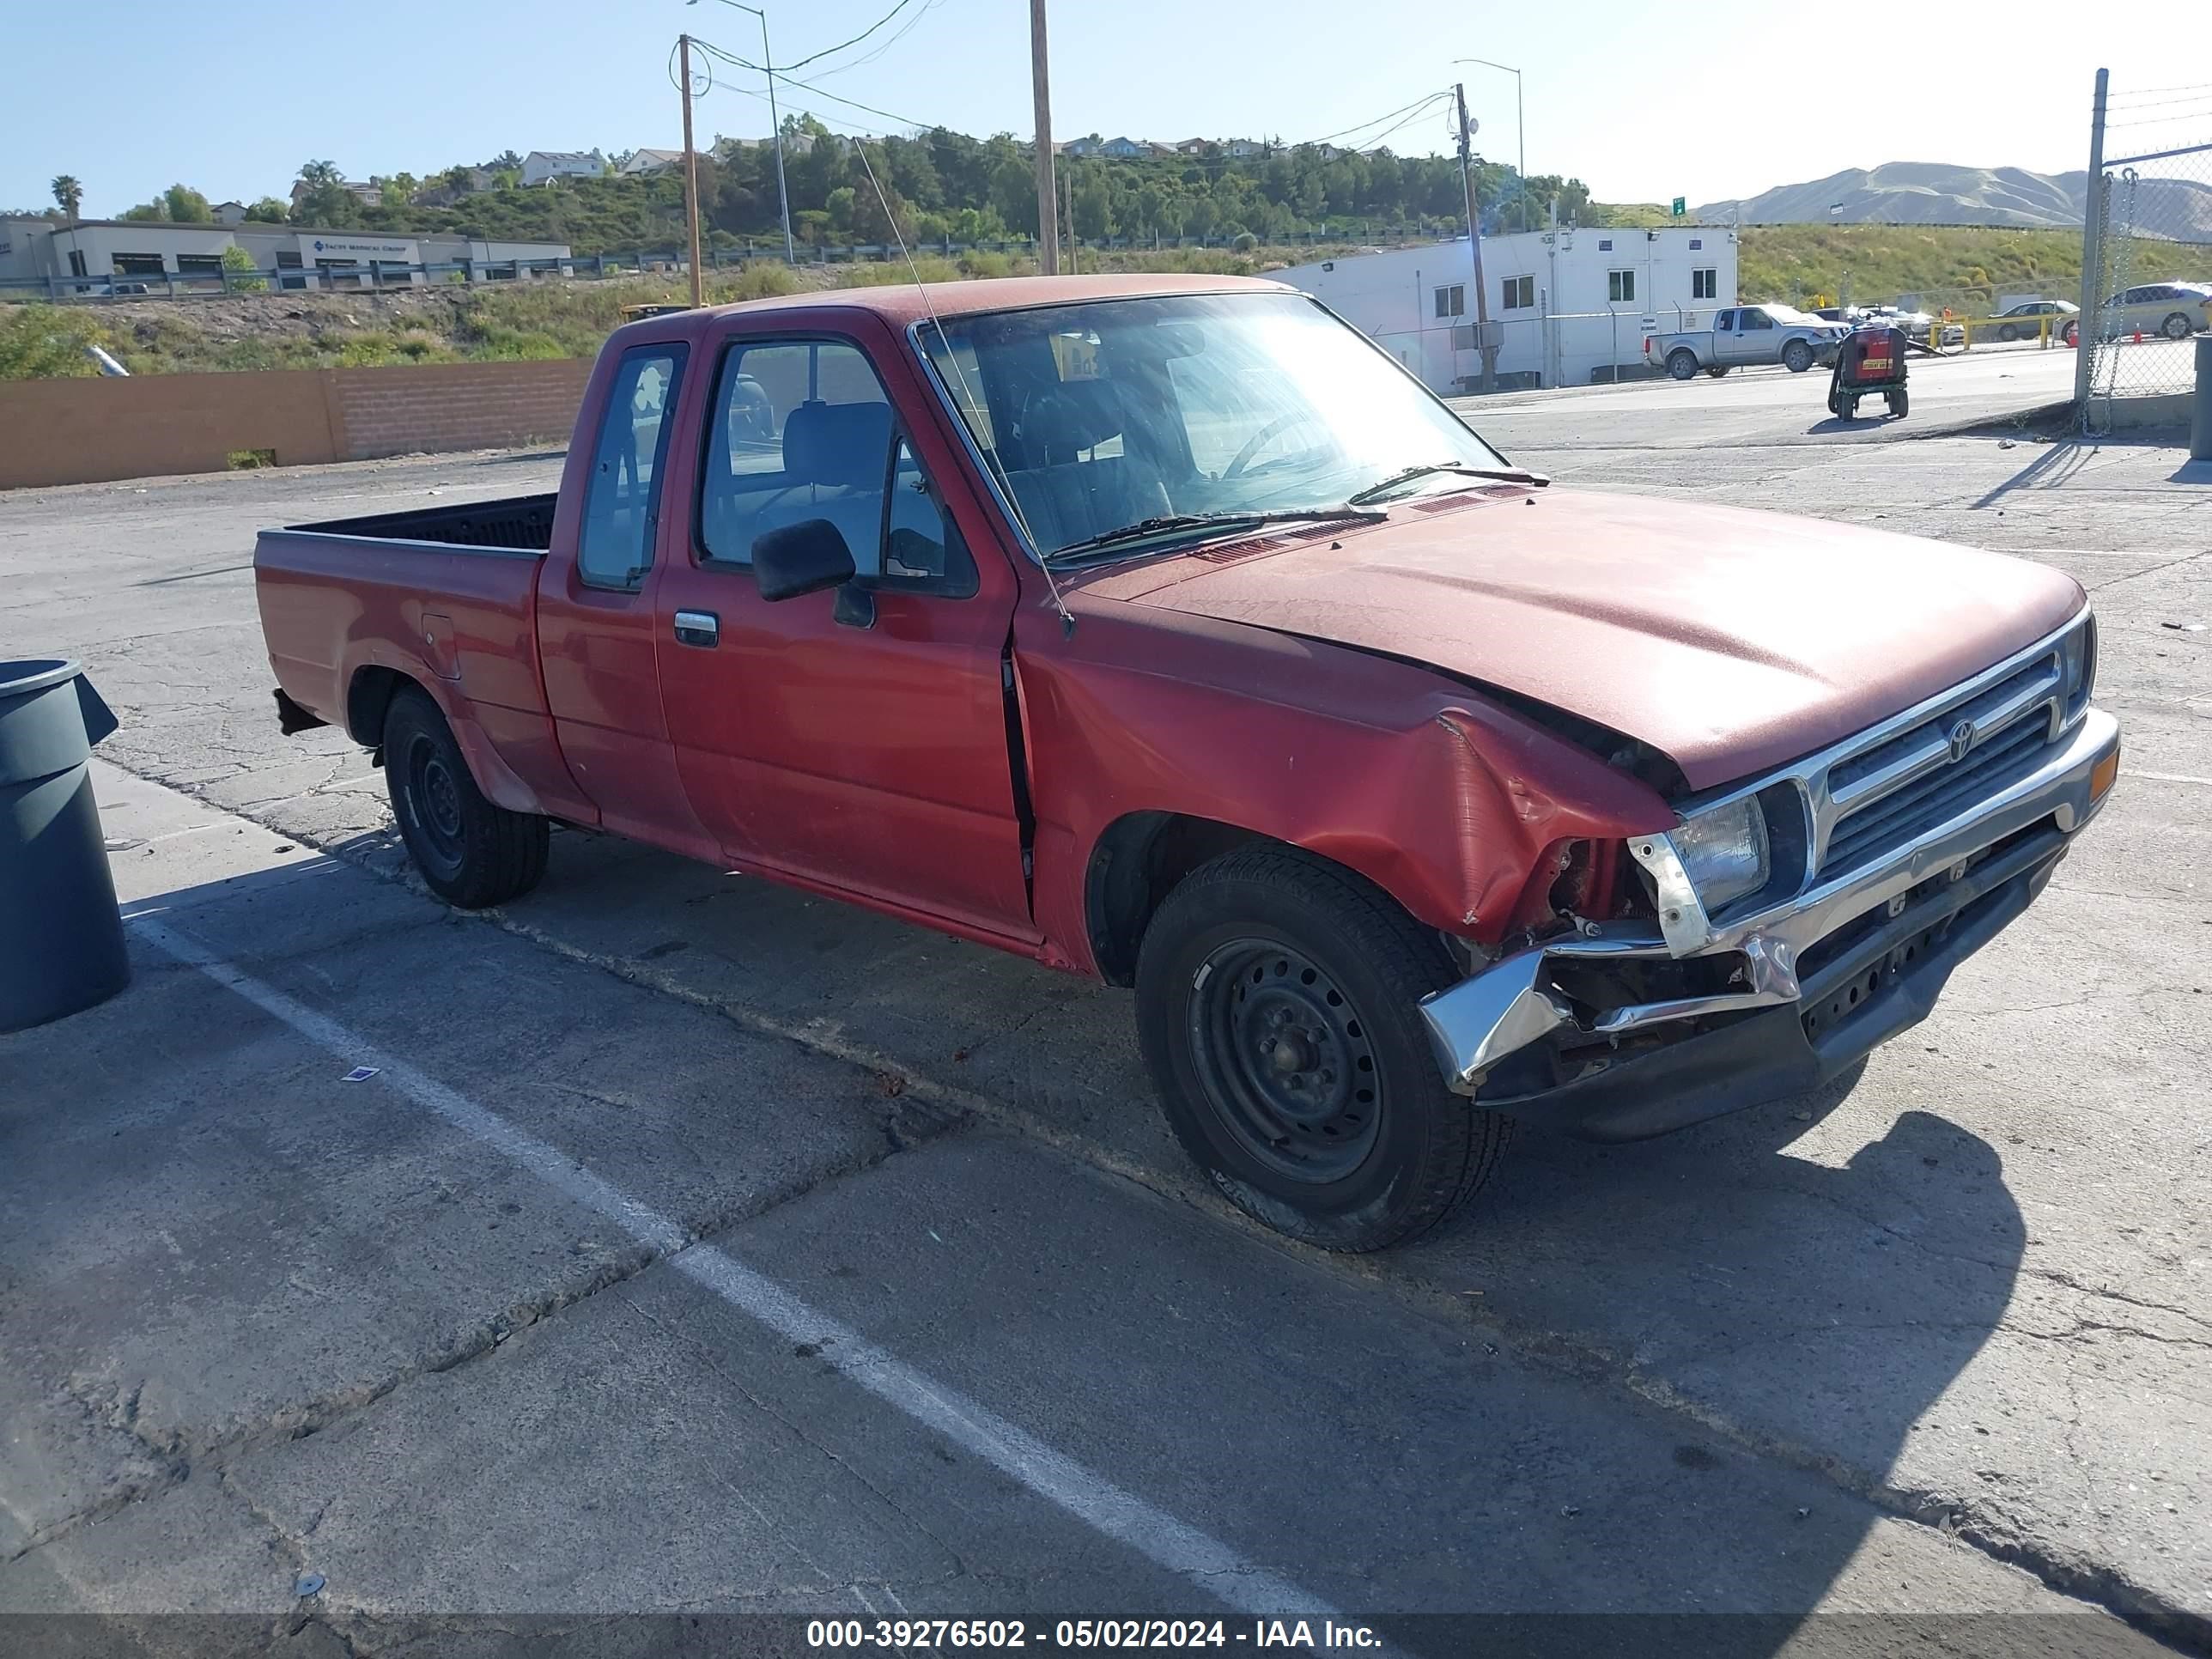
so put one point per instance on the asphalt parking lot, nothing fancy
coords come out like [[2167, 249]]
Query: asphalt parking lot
[[696, 1246]]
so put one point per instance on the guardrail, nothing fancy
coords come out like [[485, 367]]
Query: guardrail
[[381, 275]]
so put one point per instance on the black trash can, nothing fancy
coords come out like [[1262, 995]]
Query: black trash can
[[61, 936]]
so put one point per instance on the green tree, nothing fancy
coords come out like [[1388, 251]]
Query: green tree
[[1090, 210], [69, 195], [237, 260], [267, 211], [186, 206]]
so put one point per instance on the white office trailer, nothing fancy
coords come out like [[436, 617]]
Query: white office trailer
[[54, 254], [1567, 305]]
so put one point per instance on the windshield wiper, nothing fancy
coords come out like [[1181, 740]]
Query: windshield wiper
[[1406, 475], [1168, 524]]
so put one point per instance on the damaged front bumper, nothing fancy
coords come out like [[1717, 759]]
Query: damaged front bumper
[[1617, 1032]]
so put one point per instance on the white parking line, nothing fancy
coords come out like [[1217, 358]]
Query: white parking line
[[1208, 1564]]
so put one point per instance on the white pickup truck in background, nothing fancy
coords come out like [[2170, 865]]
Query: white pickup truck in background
[[1742, 335]]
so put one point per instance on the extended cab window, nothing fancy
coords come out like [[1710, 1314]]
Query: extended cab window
[[621, 502], [802, 430]]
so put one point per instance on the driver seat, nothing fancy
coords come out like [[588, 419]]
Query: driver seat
[[1066, 500]]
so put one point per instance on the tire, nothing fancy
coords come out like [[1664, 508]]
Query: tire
[[2177, 327], [473, 854], [2007, 332], [1334, 1125], [1796, 356], [1682, 364], [1850, 410], [1717, 370], [1899, 403]]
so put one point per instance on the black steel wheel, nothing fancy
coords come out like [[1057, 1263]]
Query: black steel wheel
[[471, 853], [1278, 1004], [1284, 1060]]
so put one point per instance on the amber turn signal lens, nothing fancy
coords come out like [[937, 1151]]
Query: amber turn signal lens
[[2102, 774]]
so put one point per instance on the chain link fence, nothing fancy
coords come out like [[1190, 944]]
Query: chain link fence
[[2153, 265]]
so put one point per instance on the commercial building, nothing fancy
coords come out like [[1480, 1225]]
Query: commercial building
[[38, 254], [1567, 305]]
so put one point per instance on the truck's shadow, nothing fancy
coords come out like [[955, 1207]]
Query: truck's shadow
[[1809, 1277]]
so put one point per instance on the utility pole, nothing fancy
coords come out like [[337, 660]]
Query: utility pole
[[1475, 241], [691, 178], [1048, 198], [2093, 252]]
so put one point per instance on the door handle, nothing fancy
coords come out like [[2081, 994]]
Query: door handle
[[698, 627]]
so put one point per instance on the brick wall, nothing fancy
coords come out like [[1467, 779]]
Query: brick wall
[[88, 431], [400, 411]]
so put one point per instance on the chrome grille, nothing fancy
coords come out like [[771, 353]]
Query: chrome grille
[[1913, 780]]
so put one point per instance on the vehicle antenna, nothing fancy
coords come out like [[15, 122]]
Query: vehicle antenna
[[1059, 604]]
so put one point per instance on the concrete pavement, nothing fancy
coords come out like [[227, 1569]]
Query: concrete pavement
[[1966, 1288]]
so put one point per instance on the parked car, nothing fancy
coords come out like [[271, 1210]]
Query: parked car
[[1165, 631], [2019, 321], [1742, 335], [1917, 326], [2177, 310]]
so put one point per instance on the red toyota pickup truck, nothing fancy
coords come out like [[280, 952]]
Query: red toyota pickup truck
[[1165, 630]]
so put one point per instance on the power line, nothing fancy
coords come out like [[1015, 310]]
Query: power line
[[829, 50], [867, 57], [855, 103]]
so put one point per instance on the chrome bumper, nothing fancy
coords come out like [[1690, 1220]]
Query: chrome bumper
[[1498, 1012]]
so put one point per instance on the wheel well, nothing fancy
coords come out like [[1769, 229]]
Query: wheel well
[[368, 698], [1136, 863]]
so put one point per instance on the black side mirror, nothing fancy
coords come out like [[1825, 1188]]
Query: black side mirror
[[801, 558]]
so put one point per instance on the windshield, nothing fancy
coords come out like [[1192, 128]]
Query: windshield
[[1120, 413]]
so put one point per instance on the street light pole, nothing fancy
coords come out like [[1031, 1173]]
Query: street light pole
[[1520, 127], [775, 123]]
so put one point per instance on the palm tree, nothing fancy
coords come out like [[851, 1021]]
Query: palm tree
[[69, 193]]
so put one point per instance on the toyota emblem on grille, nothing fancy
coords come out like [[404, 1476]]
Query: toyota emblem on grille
[[1962, 739]]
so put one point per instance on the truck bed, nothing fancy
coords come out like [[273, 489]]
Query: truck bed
[[516, 523], [446, 596]]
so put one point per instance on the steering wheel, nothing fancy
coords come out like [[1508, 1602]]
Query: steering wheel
[[1243, 459]]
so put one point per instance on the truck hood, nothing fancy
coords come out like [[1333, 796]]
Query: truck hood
[[1731, 640]]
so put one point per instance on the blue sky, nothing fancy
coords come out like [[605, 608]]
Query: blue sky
[[130, 96]]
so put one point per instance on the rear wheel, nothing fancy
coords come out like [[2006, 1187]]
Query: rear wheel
[[471, 853], [1717, 370], [2177, 327], [1796, 356], [1277, 1004], [1899, 404], [2006, 331], [1682, 364]]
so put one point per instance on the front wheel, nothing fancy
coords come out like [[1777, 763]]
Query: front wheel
[[1899, 403], [471, 853], [1717, 370], [1683, 364], [2006, 331], [1796, 356], [1276, 1005]]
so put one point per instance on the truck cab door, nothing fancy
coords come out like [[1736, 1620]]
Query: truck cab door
[[1754, 340], [596, 638], [855, 740]]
